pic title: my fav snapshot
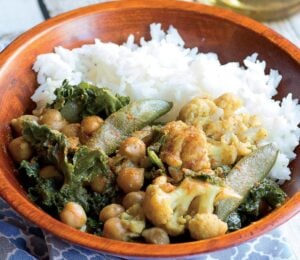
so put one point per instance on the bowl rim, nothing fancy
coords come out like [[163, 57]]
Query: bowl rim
[[112, 247]]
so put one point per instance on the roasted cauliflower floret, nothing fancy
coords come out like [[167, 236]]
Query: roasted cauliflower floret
[[168, 207], [206, 225], [229, 103], [244, 126], [227, 131], [185, 147], [199, 112], [221, 153]]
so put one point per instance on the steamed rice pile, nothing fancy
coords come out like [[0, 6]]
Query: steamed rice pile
[[162, 68]]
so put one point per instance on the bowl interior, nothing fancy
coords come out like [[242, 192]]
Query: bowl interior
[[209, 29]]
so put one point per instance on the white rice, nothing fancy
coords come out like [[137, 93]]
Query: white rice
[[162, 68]]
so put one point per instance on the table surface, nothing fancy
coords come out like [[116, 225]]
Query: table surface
[[32, 12]]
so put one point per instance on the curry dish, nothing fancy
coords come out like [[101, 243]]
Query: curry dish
[[108, 166]]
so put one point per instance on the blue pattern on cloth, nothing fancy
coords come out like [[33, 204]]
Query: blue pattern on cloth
[[21, 240]]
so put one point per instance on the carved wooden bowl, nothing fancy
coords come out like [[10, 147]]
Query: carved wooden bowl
[[231, 36]]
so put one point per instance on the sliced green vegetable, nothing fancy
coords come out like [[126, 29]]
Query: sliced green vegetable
[[249, 171], [121, 124], [155, 159], [77, 101]]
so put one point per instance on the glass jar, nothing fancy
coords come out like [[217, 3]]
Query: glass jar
[[264, 10]]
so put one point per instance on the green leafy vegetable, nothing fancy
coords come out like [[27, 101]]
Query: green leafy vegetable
[[267, 191], [77, 101], [155, 159], [50, 145], [234, 221], [94, 226], [89, 162], [77, 168], [40, 190]]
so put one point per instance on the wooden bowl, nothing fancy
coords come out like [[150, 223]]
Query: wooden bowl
[[231, 36]]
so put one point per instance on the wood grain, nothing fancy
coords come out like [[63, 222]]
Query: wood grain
[[232, 36]]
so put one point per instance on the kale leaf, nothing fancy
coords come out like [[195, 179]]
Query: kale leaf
[[234, 221], [267, 193], [50, 145], [91, 162], [40, 190], [77, 101], [77, 168]]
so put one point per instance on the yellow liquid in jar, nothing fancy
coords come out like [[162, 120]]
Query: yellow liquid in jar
[[260, 9]]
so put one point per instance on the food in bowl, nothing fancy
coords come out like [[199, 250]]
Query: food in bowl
[[103, 160]]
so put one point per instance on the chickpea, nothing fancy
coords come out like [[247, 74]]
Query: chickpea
[[90, 124], [131, 179], [73, 215], [113, 229], [19, 149], [156, 236], [71, 130], [53, 119], [17, 123], [49, 172], [133, 148], [134, 197], [111, 211], [98, 184]]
